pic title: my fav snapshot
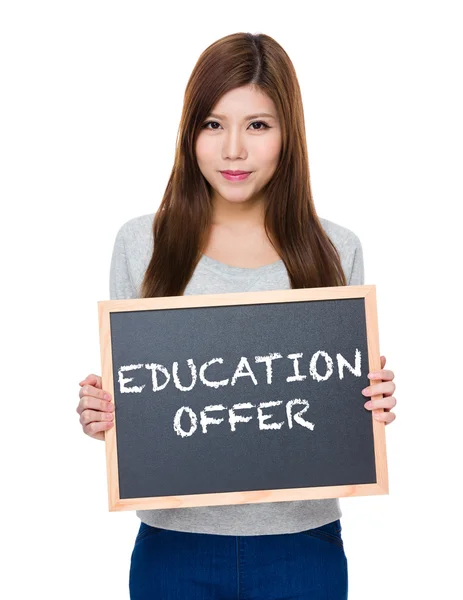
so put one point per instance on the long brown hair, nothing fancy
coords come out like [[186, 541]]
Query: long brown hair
[[182, 223]]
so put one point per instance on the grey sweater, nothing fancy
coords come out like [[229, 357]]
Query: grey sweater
[[132, 252]]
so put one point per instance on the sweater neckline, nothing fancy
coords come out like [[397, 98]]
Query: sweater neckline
[[212, 262]]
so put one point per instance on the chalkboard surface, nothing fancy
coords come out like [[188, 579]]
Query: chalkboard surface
[[242, 397]]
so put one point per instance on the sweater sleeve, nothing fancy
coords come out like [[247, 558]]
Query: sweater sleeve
[[357, 273], [120, 281]]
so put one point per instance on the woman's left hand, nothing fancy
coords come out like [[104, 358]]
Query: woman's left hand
[[385, 387]]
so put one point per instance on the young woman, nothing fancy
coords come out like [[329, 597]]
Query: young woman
[[237, 215]]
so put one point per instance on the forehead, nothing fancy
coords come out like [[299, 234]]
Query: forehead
[[244, 102]]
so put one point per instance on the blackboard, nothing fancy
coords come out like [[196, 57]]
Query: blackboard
[[235, 398]]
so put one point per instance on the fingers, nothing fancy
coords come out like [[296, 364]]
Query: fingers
[[384, 374], [95, 407], [94, 380], [90, 416], [95, 404], [384, 417], [96, 422], [92, 397], [96, 429], [385, 387], [387, 402]]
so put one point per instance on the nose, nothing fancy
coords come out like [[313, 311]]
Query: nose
[[233, 145]]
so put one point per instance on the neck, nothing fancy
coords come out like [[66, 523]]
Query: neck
[[249, 213]]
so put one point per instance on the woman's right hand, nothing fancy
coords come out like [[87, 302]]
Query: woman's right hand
[[95, 407]]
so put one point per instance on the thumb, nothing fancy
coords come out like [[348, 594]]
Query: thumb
[[91, 379]]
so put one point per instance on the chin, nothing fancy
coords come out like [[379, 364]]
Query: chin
[[234, 195], [235, 199]]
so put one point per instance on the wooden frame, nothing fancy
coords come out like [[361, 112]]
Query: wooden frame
[[368, 292]]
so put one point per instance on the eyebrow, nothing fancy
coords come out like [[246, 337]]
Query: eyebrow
[[216, 116]]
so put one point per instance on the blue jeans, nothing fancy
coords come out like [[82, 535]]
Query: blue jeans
[[173, 565]]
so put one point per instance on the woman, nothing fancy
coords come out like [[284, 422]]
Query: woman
[[237, 215]]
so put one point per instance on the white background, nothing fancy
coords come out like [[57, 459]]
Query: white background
[[91, 96]]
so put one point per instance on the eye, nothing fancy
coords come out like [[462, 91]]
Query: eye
[[265, 126], [205, 125]]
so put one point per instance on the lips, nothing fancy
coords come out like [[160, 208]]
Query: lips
[[235, 172], [235, 175]]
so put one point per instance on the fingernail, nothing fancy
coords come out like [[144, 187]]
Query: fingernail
[[372, 375], [106, 397], [368, 404]]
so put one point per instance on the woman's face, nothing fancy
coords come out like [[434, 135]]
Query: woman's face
[[231, 140]]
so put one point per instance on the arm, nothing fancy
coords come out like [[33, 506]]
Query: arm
[[120, 281], [95, 408], [382, 380], [357, 272]]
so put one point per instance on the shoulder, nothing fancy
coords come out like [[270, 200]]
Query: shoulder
[[138, 233], [349, 248], [345, 240], [133, 247], [135, 239], [137, 229]]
